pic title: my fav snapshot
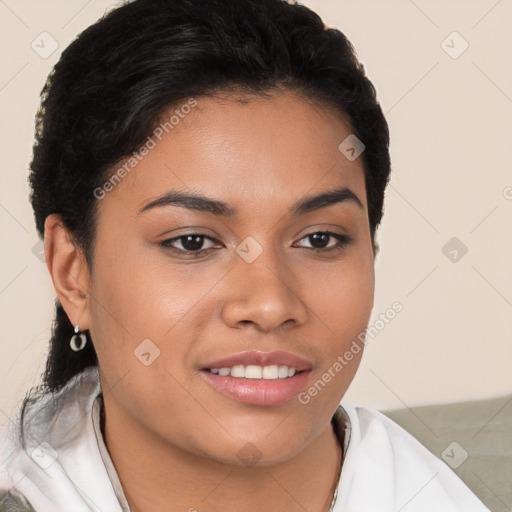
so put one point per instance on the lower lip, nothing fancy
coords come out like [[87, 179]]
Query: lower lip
[[258, 391]]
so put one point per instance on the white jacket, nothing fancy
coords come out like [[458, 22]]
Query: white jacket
[[384, 468]]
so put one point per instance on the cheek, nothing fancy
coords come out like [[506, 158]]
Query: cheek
[[122, 306], [143, 283], [343, 303], [342, 296], [136, 295], [146, 310]]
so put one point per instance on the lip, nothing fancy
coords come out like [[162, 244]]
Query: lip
[[254, 357], [260, 392]]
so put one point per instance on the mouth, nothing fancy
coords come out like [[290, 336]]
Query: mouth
[[272, 372], [257, 378]]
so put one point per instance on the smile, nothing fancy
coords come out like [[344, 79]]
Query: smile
[[256, 372]]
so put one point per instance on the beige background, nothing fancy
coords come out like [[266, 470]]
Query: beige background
[[450, 121]]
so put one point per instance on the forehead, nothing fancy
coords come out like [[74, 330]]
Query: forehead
[[252, 154]]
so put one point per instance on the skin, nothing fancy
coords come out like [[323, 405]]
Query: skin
[[183, 437]]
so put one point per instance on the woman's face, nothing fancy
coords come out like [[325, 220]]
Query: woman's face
[[254, 288]]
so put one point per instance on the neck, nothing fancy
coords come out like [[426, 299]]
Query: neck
[[154, 473]]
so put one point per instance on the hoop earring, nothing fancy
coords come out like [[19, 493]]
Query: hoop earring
[[78, 336]]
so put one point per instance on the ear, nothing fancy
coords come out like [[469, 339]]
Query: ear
[[68, 270]]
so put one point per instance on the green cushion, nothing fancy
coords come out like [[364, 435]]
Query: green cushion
[[474, 438], [11, 503]]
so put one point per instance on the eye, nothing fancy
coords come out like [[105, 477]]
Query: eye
[[319, 240], [191, 244]]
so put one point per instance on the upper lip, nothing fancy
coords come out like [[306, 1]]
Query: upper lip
[[258, 358]]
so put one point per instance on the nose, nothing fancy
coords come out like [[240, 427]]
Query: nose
[[263, 295]]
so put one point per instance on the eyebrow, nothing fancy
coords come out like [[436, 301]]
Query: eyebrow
[[202, 203]]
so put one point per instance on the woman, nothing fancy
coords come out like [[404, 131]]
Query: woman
[[208, 177]]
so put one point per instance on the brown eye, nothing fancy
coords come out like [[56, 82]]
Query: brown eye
[[191, 243], [319, 240]]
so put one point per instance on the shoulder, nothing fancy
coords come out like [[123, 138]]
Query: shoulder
[[48, 451], [384, 460]]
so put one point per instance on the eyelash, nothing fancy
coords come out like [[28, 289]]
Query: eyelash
[[343, 241]]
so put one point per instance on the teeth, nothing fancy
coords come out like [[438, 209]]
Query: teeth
[[256, 372], [237, 371], [270, 372], [251, 372]]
